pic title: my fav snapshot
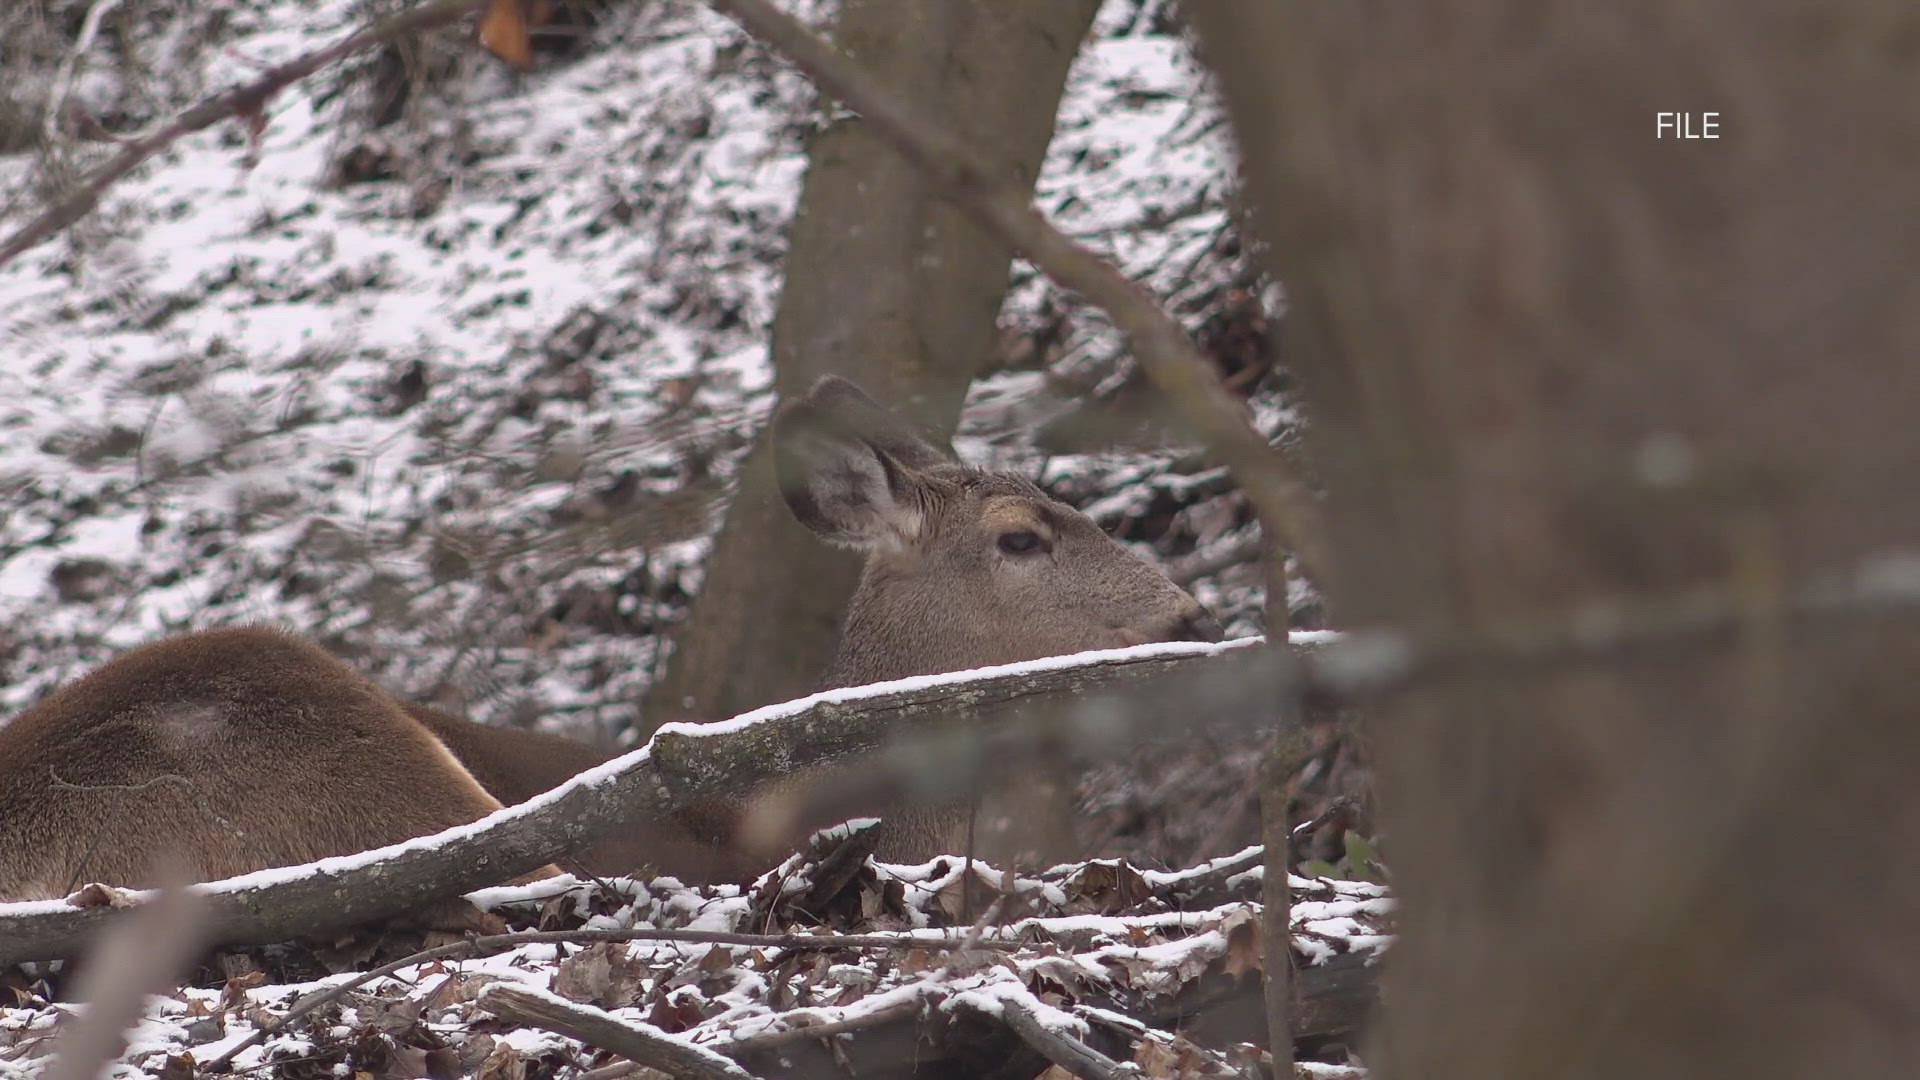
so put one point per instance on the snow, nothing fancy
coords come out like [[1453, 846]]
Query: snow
[[995, 995]]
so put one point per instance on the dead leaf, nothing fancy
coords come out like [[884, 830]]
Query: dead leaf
[[1244, 948], [233, 994], [558, 911], [604, 974], [504, 33], [675, 1013], [474, 1052], [1108, 888], [962, 903], [94, 894], [585, 975], [1157, 1061], [455, 989], [408, 1061], [395, 1017], [443, 1064], [505, 1063]]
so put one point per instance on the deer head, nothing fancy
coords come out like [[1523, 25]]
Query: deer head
[[964, 568]]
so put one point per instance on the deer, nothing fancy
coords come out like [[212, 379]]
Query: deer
[[240, 748]]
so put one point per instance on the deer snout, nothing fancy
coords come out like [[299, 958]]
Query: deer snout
[[1193, 624], [1197, 625]]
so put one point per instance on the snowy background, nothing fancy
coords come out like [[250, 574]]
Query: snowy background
[[456, 378], [451, 367]]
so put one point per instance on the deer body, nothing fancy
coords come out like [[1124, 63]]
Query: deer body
[[236, 749], [226, 750]]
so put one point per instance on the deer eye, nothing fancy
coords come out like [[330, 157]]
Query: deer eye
[[1023, 542]]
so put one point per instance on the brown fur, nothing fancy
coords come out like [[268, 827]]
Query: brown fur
[[226, 750], [237, 749]]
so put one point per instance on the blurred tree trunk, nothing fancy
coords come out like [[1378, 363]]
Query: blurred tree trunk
[[1553, 359], [889, 286]]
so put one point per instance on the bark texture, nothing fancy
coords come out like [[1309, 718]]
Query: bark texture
[[887, 285], [1554, 358]]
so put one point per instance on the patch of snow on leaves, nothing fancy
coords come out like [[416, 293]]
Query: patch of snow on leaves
[[714, 994]]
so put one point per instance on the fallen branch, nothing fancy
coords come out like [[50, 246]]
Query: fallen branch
[[1286, 506], [248, 99], [1056, 1046], [685, 765], [639, 1043]]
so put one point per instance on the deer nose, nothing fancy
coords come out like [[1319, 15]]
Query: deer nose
[[1196, 625]]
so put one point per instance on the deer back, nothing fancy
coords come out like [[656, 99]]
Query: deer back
[[216, 753]]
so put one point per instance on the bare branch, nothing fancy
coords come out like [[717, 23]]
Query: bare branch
[[1287, 508], [639, 1043], [251, 97]]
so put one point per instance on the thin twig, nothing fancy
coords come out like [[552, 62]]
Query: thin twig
[[1286, 505], [249, 98]]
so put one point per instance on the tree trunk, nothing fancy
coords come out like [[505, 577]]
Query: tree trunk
[[1556, 359], [888, 285]]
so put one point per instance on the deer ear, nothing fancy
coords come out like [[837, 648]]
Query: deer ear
[[849, 469]]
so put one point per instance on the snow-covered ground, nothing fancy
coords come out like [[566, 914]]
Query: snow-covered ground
[[461, 394]]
